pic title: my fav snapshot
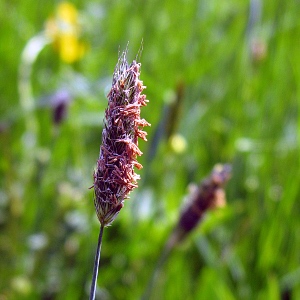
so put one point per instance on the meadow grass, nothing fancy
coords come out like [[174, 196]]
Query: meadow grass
[[233, 71]]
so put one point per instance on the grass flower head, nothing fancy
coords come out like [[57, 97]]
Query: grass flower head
[[114, 177]]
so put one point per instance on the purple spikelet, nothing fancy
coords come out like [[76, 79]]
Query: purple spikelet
[[114, 177]]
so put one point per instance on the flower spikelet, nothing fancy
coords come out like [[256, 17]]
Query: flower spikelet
[[209, 194], [114, 177]]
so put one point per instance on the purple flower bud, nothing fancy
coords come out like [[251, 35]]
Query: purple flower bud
[[59, 103]]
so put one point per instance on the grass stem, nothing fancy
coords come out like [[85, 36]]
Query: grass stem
[[96, 265]]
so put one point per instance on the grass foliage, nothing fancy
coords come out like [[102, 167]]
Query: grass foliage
[[223, 80]]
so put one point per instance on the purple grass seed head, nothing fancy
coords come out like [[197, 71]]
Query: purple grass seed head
[[115, 177]]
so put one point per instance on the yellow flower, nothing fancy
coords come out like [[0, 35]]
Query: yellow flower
[[178, 143], [65, 32]]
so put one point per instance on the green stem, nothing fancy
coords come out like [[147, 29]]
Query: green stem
[[160, 263], [28, 57], [96, 265], [176, 236]]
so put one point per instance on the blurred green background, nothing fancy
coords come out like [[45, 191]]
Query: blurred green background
[[223, 80]]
